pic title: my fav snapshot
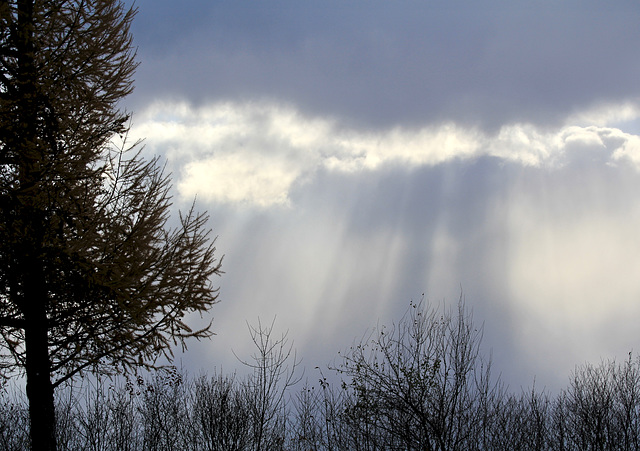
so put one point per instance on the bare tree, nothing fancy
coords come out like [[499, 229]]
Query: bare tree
[[626, 416], [519, 422], [419, 384], [220, 414], [317, 421], [166, 410], [14, 419], [90, 277], [600, 410], [274, 370]]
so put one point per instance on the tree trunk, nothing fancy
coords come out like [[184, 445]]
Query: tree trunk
[[29, 246], [35, 303], [39, 386]]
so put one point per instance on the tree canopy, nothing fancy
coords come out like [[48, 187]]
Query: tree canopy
[[91, 277]]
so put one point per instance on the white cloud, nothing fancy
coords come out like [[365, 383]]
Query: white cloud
[[606, 114], [629, 150], [238, 179], [255, 153], [582, 136]]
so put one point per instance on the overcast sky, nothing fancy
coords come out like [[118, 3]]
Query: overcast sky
[[355, 154]]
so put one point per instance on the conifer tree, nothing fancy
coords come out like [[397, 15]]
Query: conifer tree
[[91, 277]]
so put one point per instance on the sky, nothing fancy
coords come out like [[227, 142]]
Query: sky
[[355, 155]]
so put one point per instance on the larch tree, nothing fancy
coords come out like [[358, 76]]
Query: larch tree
[[92, 278]]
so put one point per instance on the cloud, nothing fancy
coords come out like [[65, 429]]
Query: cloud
[[628, 150], [606, 114], [257, 153], [377, 64], [356, 154]]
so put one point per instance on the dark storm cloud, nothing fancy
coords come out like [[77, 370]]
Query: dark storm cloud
[[380, 63]]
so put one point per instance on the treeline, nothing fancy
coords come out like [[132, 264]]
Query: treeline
[[418, 384]]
